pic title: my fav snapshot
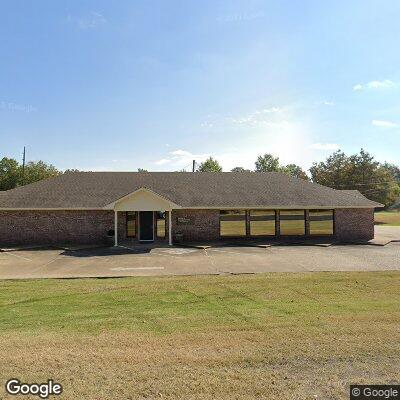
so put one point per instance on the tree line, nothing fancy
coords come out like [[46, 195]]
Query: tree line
[[377, 181], [14, 174]]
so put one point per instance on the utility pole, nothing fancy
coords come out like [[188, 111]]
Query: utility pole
[[23, 167], [194, 166]]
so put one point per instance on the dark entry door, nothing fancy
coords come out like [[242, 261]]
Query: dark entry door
[[146, 225]]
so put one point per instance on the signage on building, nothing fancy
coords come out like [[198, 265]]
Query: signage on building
[[185, 221]]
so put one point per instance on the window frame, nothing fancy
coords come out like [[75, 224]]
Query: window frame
[[304, 234], [126, 227], [275, 223], [245, 220], [156, 224], [321, 234]]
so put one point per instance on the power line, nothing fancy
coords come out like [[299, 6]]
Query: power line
[[365, 184]]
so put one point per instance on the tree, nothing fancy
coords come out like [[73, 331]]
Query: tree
[[36, 171], [267, 163], [334, 171], [239, 169], [71, 171], [361, 167], [295, 171], [357, 172], [394, 171], [210, 165], [10, 173], [142, 170]]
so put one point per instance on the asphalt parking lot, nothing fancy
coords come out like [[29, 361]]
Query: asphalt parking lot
[[114, 262]]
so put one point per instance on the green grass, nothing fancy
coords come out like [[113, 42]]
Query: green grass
[[168, 305], [268, 336], [389, 218]]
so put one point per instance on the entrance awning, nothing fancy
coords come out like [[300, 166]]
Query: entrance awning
[[142, 199]]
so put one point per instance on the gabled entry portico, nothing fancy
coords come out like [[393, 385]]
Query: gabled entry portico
[[144, 202]]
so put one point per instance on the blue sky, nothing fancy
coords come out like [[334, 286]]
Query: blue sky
[[102, 85]]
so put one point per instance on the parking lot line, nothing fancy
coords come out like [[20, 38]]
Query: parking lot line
[[134, 268], [18, 256], [51, 261], [233, 252]]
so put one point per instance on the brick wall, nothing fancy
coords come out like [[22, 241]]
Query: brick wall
[[354, 224], [121, 224], [46, 227], [203, 225]]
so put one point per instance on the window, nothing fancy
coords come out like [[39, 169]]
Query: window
[[131, 224], [292, 222], [232, 223], [160, 224], [262, 222], [321, 222]]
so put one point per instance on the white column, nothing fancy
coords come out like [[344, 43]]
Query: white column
[[115, 228], [170, 227]]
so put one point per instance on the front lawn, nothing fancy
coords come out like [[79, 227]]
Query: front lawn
[[389, 218], [272, 336]]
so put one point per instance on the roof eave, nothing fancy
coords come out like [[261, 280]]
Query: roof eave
[[111, 206]]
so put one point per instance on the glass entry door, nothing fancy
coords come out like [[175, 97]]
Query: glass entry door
[[146, 226]]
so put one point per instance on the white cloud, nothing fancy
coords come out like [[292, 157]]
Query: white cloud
[[275, 130], [206, 124], [181, 158], [263, 117], [325, 146], [240, 17], [328, 103], [385, 84], [290, 140], [163, 161], [91, 21], [269, 110], [385, 124], [281, 131]]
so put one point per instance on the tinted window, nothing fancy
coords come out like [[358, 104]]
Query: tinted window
[[321, 222], [292, 222], [160, 224], [232, 223], [262, 222], [131, 224]]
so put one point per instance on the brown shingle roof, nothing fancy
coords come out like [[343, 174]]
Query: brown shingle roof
[[200, 189]]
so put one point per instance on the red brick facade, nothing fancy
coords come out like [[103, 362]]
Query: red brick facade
[[354, 224], [47, 227], [50, 227], [196, 224]]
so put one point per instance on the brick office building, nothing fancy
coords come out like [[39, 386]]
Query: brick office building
[[89, 207]]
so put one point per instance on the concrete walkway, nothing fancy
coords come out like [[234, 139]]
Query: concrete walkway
[[386, 234], [113, 262], [71, 262]]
